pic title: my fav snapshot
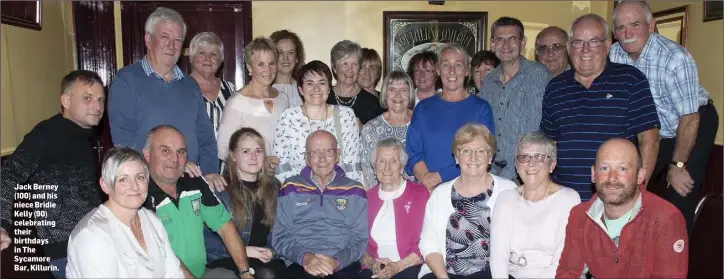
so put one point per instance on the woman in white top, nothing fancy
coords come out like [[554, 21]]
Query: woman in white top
[[258, 105], [297, 123], [455, 240], [117, 239], [529, 224], [397, 98], [395, 208], [291, 57]]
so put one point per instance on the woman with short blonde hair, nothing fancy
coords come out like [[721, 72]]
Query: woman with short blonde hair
[[258, 105], [455, 240]]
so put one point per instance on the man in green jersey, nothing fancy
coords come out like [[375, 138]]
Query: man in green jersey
[[185, 204]]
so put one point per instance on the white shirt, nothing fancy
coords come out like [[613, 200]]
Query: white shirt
[[101, 246], [536, 230], [383, 227], [292, 93], [242, 111]]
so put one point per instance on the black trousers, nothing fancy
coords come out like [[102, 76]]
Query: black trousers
[[696, 165], [352, 271], [275, 268]]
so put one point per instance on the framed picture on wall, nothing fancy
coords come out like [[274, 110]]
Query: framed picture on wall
[[21, 13], [713, 10], [409, 33], [672, 24]]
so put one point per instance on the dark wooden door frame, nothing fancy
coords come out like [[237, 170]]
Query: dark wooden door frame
[[134, 49]]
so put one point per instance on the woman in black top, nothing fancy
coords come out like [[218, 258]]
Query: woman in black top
[[251, 198], [346, 56]]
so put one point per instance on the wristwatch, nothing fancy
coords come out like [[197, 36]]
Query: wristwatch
[[245, 271], [678, 164]]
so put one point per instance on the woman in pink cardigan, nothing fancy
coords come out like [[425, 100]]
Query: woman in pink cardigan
[[395, 210]]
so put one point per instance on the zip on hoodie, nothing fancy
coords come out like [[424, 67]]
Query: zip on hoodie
[[603, 227]]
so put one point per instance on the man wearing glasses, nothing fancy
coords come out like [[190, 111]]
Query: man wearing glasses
[[514, 90], [550, 50], [596, 101], [320, 226]]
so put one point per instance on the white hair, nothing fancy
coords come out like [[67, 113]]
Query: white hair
[[393, 143], [162, 14], [594, 17], [644, 6], [206, 39]]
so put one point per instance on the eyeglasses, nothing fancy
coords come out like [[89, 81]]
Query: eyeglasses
[[593, 43], [316, 154], [537, 158], [545, 49], [510, 40], [478, 153]]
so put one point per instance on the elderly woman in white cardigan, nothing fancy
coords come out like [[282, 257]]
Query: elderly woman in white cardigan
[[529, 225], [455, 239]]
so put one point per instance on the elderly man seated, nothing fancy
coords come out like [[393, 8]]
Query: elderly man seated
[[185, 204], [321, 218]]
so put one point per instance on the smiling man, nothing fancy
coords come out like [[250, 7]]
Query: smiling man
[[514, 90], [154, 91], [596, 101], [58, 152], [550, 49], [622, 214], [689, 120]]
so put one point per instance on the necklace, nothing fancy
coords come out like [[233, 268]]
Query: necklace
[[351, 102], [309, 119], [520, 259]]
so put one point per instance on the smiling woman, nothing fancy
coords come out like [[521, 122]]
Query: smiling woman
[[258, 105]]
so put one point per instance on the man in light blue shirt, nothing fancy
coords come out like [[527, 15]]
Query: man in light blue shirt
[[688, 119]]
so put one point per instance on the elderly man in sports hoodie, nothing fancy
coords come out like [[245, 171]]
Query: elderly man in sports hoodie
[[320, 226], [624, 231]]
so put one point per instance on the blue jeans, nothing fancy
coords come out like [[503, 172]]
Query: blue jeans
[[60, 264]]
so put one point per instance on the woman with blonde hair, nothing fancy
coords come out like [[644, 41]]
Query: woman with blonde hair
[[251, 198], [258, 105], [455, 240]]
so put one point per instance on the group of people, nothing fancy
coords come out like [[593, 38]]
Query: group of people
[[459, 167]]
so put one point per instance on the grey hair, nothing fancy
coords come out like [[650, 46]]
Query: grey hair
[[343, 49], [540, 140], [206, 39], [393, 143], [149, 136], [164, 14], [457, 47], [643, 4], [115, 158], [594, 17], [393, 77]]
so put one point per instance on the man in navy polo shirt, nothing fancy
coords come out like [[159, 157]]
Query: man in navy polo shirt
[[596, 101]]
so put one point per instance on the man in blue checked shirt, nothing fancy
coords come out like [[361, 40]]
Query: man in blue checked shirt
[[688, 118], [595, 101]]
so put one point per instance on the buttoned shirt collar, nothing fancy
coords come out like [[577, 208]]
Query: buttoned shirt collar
[[177, 73]]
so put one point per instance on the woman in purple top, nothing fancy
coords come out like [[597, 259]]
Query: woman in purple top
[[395, 211]]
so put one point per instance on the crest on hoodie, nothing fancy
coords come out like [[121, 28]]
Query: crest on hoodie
[[679, 246], [195, 205], [341, 203]]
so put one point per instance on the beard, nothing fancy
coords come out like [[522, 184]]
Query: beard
[[623, 193]]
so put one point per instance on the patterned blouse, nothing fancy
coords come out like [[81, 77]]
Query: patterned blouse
[[291, 135], [373, 132], [468, 234]]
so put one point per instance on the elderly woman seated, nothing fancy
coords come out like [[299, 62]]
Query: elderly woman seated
[[455, 240], [395, 209], [529, 224], [119, 239]]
